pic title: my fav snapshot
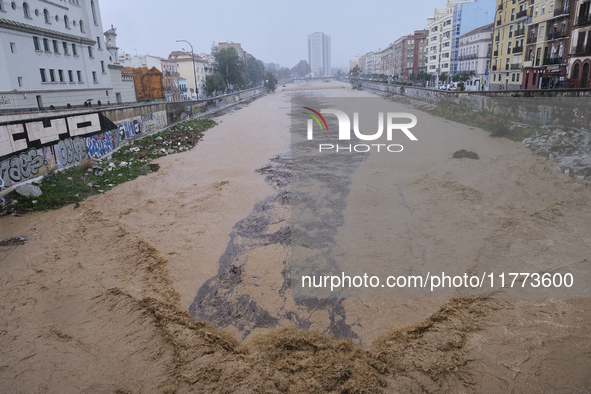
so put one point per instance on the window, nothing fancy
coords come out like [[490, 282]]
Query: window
[[12, 47], [52, 75], [74, 50], [90, 52], [98, 42], [551, 6], [55, 47], [513, 77], [65, 45], [46, 44], [576, 69], [26, 10], [81, 26], [36, 43], [79, 74], [71, 76], [103, 66], [543, 9], [94, 77], [46, 16], [66, 22], [60, 74], [536, 11], [93, 12], [43, 76], [20, 82], [509, 48]]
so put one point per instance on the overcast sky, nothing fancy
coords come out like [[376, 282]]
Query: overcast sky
[[271, 30]]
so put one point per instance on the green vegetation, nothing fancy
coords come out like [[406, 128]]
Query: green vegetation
[[270, 82], [77, 183]]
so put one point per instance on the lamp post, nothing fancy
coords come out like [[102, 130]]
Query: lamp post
[[194, 72]]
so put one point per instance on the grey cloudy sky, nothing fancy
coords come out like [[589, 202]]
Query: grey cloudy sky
[[273, 31]]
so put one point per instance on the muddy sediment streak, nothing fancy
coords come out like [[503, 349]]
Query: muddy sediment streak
[[227, 299]]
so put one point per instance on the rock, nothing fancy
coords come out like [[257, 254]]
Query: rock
[[37, 182], [90, 184], [162, 151], [136, 149], [159, 138], [101, 173], [580, 178], [567, 171], [551, 156], [90, 170], [14, 202], [34, 201], [123, 164], [111, 164], [28, 190], [170, 151]]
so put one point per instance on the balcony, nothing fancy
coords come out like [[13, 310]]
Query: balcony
[[552, 60], [527, 64], [516, 66], [558, 35], [521, 14], [519, 32], [582, 50], [496, 53], [528, 21], [469, 57], [583, 20], [497, 38], [562, 11], [531, 40], [517, 50]]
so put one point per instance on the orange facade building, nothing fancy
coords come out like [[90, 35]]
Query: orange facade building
[[148, 83]]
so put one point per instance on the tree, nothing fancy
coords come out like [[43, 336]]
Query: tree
[[230, 66], [270, 82], [443, 78], [272, 68], [254, 70], [301, 69], [284, 73], [214, 83]]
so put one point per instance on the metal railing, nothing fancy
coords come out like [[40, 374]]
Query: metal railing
[[516, 66], [582, 20], [561, 11], [552, 60], [518, 50]]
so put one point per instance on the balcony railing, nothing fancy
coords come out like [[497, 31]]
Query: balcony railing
[[497, 38], [519, 32], [531, 40], [552, 60], [516, 66], [469, 57], [558, 35], [528, 21], [561, 11], [521, 14], [517, 50], [582, 20], [582, 50]]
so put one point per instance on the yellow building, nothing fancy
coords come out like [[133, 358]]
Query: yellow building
[[508, 44], [203, 67]]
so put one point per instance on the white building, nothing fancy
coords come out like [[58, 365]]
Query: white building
[[319, 54], [55, 54], [444, 43], [475, 54]]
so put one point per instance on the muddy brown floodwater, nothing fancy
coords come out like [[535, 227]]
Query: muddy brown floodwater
[[179, 280]]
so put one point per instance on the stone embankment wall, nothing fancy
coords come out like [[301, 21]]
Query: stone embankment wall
[[571, 107], [34, 143]]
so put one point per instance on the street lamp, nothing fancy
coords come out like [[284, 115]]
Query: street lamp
[[194, 73]]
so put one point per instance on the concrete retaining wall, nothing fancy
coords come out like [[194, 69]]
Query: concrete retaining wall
[[571, 108], [34, 143]]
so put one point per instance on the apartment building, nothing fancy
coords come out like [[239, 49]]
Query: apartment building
[[508, 44], [547, 46], [579, 61], [54, 54], [444, 39], [474, 59], [204, 66]]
